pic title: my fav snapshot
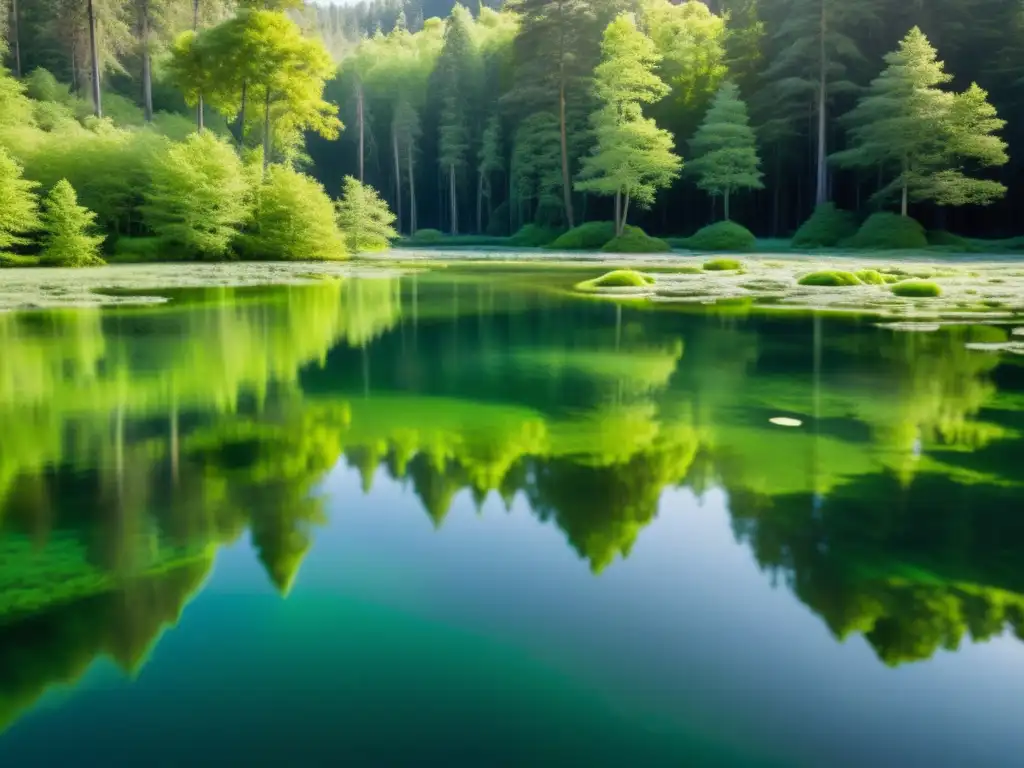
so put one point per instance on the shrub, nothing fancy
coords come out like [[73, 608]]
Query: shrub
[[944, 239], [635, 240], [827, 227], [294, 220], [722, 236], [585, 237], [620, 278], [533, 236], [870, 277], [833, 277], [18, 205], [917, 289], [199, 195], [67, 226], [364, 217], [41, 85], [143, 250], [722, 265], [427, 236], [889, 230]]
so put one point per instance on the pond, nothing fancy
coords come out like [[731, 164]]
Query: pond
[[463, 518]]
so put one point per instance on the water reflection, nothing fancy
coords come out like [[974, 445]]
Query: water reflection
[[137, 442]]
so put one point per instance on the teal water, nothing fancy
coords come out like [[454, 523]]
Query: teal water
[[464, 520]]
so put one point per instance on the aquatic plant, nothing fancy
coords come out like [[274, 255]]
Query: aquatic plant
[[872, 277], [917, 289], [722, 265], [722, 236], [827, 227], [888, 230], [833, 277], [619, 278]]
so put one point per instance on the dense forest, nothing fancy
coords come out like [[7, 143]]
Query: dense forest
[[485, 120]]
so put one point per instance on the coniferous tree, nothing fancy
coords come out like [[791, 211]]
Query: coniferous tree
[[725, 149], [19, 211], [364, 217], [925, 139], [67, 227], [633, 157]]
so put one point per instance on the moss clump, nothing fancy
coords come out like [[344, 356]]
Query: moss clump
[[827, 227], [426, 237], [585, 237], [917, 289], [620, 278], [722, 265], [889, 230], [723, 236], [533, 236], [870, 276], [635, 240], [944, 239], [832, 277]]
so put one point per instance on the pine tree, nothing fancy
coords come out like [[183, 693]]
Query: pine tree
[[19, 209], [67, 241], [923, 137], [725, 149], [364, 217], [633, 157]]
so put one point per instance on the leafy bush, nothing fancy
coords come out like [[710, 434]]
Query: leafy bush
[[294, 220], [364, 217], [41, 85], [199, 195], [722, 236], [944, 239], [834, 277], [144, 250], [635, 240], [586, 237], [722, 265], [426, 237], [888, 230], [67, 227], [10, 260], [917, 289], [533, 236], [870, 277], [827, 227], [619, 278]]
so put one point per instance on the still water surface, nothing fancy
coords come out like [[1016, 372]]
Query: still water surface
[[455, 521]]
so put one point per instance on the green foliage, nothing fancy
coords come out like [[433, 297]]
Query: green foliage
[[916, 289], [633, 158], [722, 236], [635, 240], [67, 241], [426, 237], [926, 140], [834, 278], [144, 250], [722, 265], [725, 148], [533, 236], [19, 213], [827, 227], [497, 222], [41, 85], [870, 276], [199, 195], [585, 237], [364, 218], [884, 230], [294, 220], [947, 240]]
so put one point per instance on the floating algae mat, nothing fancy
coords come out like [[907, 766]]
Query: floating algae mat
[[967, 291]]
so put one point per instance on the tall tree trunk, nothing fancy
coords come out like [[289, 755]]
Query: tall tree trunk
[[776, 193], [200, 120], [480, 203], [398, 175], [566, 182], [625, 214], [618, 211], [15, 38], [362, 129], [727, 191], [241, 114], [412, 189], [147, 69], [94, 53], [266, 131], [821, 178], [905, 195], [454, 200]]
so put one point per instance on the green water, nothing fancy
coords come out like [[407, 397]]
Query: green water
[[463, 520]]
